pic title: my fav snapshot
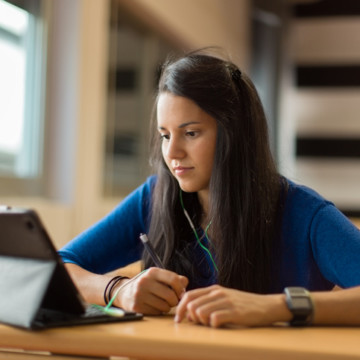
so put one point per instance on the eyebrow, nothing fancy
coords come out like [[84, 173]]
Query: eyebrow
[[181, 125]]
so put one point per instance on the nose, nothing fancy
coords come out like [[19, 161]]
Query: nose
[[174, 149]]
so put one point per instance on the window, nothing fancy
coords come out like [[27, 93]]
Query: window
[[22, 69]]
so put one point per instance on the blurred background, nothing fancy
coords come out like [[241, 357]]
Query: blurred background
[[77, 81]]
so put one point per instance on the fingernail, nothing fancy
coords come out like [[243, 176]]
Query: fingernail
[[177, 318]]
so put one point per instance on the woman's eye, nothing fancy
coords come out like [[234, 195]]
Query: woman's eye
[[164, 136], [191, 133]]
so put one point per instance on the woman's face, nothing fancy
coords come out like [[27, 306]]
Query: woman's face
[[188, 141]]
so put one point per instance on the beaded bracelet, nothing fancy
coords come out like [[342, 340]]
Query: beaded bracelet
[[110, 286]]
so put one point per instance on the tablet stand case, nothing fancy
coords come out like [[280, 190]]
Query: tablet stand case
[[31, 274], [23, 286]]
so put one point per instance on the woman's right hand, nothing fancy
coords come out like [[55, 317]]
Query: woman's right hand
[[153, 292]]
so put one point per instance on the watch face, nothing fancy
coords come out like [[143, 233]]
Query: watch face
[[301, 303], [297, 291]]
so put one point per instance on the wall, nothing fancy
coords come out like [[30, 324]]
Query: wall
[[324, 101], [201, 23]]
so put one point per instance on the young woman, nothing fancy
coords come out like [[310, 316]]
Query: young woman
[[231, 232]]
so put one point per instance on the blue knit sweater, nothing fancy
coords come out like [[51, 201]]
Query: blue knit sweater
[[319, 246]]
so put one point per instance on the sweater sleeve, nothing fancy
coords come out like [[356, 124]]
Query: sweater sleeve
[[113, 242], [336, 246]]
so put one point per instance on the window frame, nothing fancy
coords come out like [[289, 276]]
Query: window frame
[[12, 185]]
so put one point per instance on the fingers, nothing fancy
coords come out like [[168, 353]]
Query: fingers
[[153, 292], [208, 306], [187, 302], [151, 305], [216, 306], [172, 281], [177, 283], [220, 317], [215, 313], [161, 291]]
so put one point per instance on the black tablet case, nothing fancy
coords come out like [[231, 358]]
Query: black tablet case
[[32, 275]]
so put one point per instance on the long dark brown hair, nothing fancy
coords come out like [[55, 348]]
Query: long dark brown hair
[[244, 185]]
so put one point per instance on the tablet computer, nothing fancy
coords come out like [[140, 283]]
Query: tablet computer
[[36, 290]]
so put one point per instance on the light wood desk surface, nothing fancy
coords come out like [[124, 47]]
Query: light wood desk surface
[[160, 338]]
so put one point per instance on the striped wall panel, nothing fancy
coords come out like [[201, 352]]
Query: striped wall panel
[[326, 99], [327, 8], [328, 75], [326, 147]]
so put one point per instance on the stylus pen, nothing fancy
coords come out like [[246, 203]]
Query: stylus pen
[[149, 248]]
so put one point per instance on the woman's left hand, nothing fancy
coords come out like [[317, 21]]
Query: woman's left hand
[[216, 306]]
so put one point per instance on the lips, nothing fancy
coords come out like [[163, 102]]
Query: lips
[[180, 170]]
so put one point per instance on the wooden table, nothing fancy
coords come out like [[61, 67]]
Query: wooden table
[[160, 338]]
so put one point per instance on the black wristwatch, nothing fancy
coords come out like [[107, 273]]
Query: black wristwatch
[[300, 304]]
